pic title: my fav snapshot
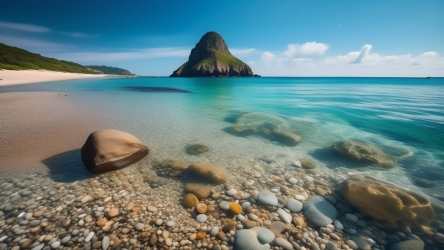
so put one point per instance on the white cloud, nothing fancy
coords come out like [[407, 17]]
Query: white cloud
[[79, 34], [268, 57], [365, 50], [306, 49], [24, 27], [424, 58], [32, 44]]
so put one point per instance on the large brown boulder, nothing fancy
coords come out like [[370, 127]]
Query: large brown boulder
[[362, 152], [108, 150], [397, 208], [209, 171]]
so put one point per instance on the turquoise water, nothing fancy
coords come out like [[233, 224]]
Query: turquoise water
[[395, 114]]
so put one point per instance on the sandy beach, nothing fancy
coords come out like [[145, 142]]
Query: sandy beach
[[14, 77]]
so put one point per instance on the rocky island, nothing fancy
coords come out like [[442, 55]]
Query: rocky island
[[211, 57]]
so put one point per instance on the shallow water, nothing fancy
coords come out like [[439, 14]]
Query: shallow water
[[402, 116]]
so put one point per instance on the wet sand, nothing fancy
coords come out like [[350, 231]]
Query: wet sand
[[14, 77]]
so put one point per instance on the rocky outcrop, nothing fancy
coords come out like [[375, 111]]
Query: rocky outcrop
[[108, 150], [211, 57], [362, 152], [397, 208]]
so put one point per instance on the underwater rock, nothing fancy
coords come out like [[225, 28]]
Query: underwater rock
[[408, 245], [210, 172], [269, 126], [201, 191], [108, 150], [256, 238], [307, 164], [397, 208], [197, 149], [424, 183], [319, 211], [362, 152]]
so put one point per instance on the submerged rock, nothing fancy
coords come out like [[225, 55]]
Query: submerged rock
[[197, 149], [109, 150], [210, 171], [362, 152], [269, 126], [319, 211], [201, 191], [256, 238], [408, 245], [397, 208], [424, 183]]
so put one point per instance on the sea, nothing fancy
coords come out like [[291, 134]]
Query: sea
[[404, 117]]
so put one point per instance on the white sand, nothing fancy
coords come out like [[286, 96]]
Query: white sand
[[13, 77]]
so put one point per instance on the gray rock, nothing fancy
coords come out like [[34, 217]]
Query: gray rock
[[214, 231], [256, 238], [169, 223], [351, 217], [105, 243], [408, 245], [201, 218], [281, 242], [285, 217], [319, 211], [267, 198], [139, 226], [293, 205], [338, 224], [330, 246]]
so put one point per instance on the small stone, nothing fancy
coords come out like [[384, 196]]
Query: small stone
[[144, 235], [267, 198], [351, 244], [190, 200], [351, 217], [220, 235], [199, 190], [229, 226], [197, 149], [101, 222], [158, 222], [299, 197], [338, 224], [330, 246], [307, 164], [250, 223], [24, 244], [285, 217], [293, 205], [89, 236], [86, 199], [300, 222], [113, 212], [169, 223], [281, 242], [55, 245], [201, 218], [153, 239], [214, 231], [408, 245], [231, 192], [139, 226], [201, 235], [235, 208], [201, 208]]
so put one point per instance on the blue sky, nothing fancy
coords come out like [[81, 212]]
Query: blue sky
[[276, 38]]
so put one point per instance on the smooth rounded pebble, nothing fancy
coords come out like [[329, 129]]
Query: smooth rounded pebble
[[267, 198], [201, 218], [319, 211], [235, 208], [256, 238], [245, 205], [351, 217], [214, 231], [299, 197], [281, 242], [292, 180], [231, 192], [277, 227], [293, 205], [105, 243], [408, 245], [338, 224], [285, 217], [55, 245], [139, 226], [330, 246], [169, 223]]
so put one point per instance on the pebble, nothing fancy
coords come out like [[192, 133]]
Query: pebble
[[292, 180], [281, 242], [113, 212], [139, 226], [214, 231], [277, 227], [267, 198], [299, 197], [152, 209], [351, 217], [89, 236], [252, 216], [224, 205], [351, 244], [338, 224], [293, 205], [65, 239], [231, 192], [235, 208], [201, 208], [55, 245], [285, 217], [169, 223], [34, 223], [330, 246], [201, 218]]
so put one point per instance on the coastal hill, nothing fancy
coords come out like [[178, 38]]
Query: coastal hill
[[13, 58], [110, 70], [211, 57]]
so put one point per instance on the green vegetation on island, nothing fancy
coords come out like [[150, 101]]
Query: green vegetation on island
[[14, 58], [110, 70]]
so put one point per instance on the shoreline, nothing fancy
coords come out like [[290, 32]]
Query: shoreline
[[16, 77]]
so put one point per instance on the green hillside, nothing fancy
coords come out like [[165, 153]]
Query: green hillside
[[110, 70], [19, 59]]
